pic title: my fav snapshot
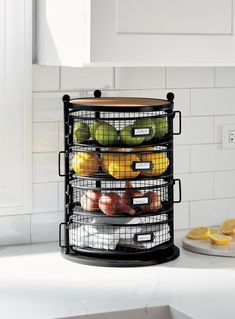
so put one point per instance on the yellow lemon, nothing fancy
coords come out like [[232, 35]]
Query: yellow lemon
[[228, 227], [199, 233], [160, 163], [108, 158], [85, 164], [217, 239], [121, 166]]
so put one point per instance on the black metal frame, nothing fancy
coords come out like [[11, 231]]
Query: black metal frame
[[156, 255]]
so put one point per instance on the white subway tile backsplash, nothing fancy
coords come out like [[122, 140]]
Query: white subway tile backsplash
[[139, 78], [45, 227], [196, 186], [211, 212], [45, 167], [213, 101], [219, 121], [181, 215], [45, 78], [45, 137], [45, 197], [189, 77], [86, 78], [181, 159], [181, 101], [195, 130], [15, 229], [224, 184], [48, 106], [211, 157], [61, 136], [225, 76]]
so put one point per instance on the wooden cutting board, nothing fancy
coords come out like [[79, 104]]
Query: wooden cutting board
[[206, 248]]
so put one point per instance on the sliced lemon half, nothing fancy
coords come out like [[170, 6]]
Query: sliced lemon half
[[217, 239], [214, 230], [228, 227], [199, 233]]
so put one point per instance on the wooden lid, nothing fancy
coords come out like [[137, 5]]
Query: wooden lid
[[120, 102]]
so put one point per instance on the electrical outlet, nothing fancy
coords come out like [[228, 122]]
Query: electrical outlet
[[229, 136], [232, 136]]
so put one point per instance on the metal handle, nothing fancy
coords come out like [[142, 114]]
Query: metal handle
[[180, 193], [60, 231], [179, 132], [59, 157]]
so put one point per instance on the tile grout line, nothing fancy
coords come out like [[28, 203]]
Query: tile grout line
[[114, 78], [214, 76], [149, 89], [58, 196], [30, 228], [213, 129], [189, 214], [58, 137], [165, 77], [59, 78], [190, 102], [213, 185], [190, 154]]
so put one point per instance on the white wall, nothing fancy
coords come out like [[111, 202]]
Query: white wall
[[206, 97]]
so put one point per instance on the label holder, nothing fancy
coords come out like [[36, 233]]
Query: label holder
[[139, 201], [142, 166], [144, 237], [141, 132]]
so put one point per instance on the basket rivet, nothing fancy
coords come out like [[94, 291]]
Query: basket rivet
[[97, 93], [66, 98], [170, 96]]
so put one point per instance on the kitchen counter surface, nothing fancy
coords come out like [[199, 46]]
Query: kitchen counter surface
[[37, 283]]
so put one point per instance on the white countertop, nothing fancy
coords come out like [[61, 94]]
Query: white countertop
[[36, 282]]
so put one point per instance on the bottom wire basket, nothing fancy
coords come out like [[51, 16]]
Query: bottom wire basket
[[120, 234]]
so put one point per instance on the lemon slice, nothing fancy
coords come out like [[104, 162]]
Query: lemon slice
[[214, 230], [228, 227], [199, 233], [217, 239]]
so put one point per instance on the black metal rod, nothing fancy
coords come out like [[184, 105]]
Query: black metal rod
[[66, 99], [97, 94]]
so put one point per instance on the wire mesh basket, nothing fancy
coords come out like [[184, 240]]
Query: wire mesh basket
[[115, 198], [121, 129], [122, 163], [119, 185], [120, 235]]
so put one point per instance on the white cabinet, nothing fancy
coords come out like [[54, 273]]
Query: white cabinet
[[136, 32], [15, 107]]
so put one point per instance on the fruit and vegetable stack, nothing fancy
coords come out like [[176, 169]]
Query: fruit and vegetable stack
[[119, 179]]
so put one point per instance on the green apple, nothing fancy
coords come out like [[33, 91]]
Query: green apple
[[94, 126], [81, 132], [146, 123], [128, 139], [161, 124], [106, 134]]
